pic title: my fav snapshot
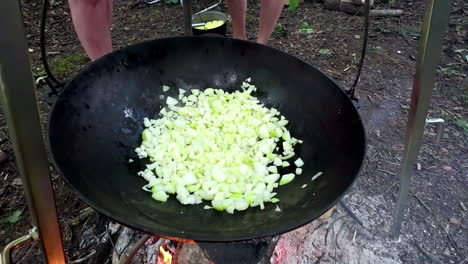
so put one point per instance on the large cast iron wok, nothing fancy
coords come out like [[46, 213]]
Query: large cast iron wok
[[96, 124]]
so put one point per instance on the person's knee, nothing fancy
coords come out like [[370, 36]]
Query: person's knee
[[86, 2]]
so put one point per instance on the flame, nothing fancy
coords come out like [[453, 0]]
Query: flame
[[165, 256]]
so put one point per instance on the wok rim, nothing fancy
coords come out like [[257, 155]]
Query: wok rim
[[214, 237]]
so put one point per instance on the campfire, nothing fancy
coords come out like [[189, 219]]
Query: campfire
[[167, 253]]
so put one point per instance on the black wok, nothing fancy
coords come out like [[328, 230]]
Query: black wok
[[96, 123]]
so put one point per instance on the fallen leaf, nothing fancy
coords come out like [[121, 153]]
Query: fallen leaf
[[325, 51], [13, 218]]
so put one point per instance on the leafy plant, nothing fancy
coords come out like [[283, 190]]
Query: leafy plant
[[56, 3], [446, 71], [13, 218], [357, 36], [66, 65], [293, 5], [463, 124], [171, 1], [325, 51], [411, 32], [305, 28], [279, 29], [174, 28], [458, 28]]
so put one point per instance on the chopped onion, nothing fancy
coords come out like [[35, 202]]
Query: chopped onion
[[316, 176], [287, 178], [217, 146], [299, 163], [171, 101]]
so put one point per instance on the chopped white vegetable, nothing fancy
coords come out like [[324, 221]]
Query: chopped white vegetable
[[298, 171], [165, 88], [161, 96], [277, 209], [303, 186], [216, 146], [316, 176], [171, 101], [299, 163], [287, 178], [130, 160], [277, 162]]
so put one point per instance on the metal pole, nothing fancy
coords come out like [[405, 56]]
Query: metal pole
[[433, 31], [20, 107], [187, 17]]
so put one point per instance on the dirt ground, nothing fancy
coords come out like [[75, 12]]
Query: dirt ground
[[436, 221]]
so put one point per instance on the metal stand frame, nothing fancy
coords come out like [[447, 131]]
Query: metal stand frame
[[433, 32], [20, 107]]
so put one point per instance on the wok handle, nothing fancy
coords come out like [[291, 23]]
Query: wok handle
[[5, 256], [352, 90], [187, 17]]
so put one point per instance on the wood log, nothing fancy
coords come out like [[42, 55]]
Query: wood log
[[386, 12], [361, 2], [349, 8]]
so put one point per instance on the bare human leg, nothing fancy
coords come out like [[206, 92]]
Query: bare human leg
[[237, 10], [92, 20], [269, 15]]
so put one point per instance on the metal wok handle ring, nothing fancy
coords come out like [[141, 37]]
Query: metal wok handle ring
[[5, 256], [352, 90]]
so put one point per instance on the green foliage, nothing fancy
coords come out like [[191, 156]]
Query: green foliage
[[446, 71], [67, 65], [411, 32], [293, 5], [463, 124], [174, 28], [13, 218], [461, 50], [305, 28], [325, 51], [279, 30], [56, 3], [171, 1]]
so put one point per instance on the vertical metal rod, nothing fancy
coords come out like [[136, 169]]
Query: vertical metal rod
[[20, 107], [433, 31], [188, 17]]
